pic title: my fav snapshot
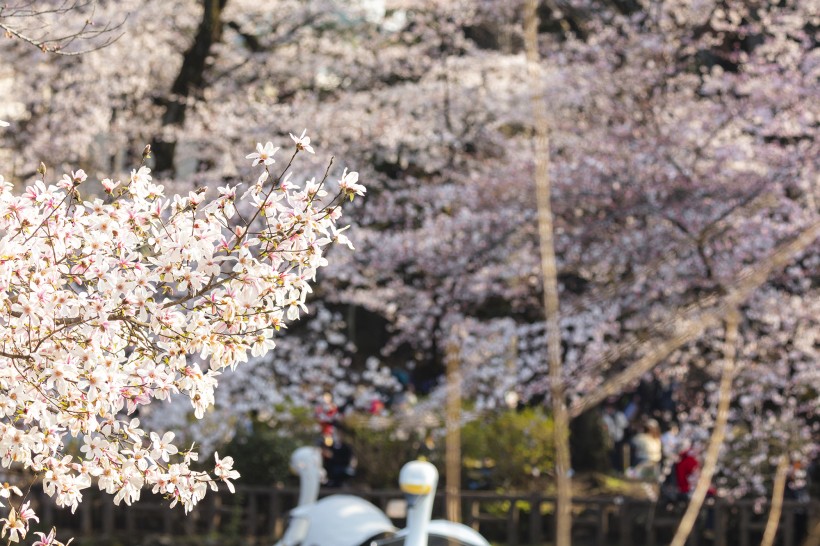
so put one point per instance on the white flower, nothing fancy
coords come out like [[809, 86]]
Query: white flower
[[7, 489], [224, 470], [109, 185], [349, 186], [141, 274], [302, 142], [16, 525], [162, 447], [263, 154]]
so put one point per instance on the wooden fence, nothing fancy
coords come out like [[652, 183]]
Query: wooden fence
[[258, 516]]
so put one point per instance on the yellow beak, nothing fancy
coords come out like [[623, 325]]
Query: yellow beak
[[415, 488]]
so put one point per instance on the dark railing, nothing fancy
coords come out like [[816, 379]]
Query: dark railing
[[258, 516]]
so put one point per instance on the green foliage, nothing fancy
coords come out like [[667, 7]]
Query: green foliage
[[514, 449], [382, 451], [262, 450], [509, 450]]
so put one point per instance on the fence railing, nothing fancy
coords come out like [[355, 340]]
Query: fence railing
[[258, 516]]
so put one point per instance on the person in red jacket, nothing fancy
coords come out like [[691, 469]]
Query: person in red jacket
[[685, 472]]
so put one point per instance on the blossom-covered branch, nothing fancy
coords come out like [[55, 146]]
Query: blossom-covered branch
[[107, 305]]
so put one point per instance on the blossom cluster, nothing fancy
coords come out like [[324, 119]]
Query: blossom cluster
[[109, 303]]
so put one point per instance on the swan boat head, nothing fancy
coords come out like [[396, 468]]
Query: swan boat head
[[418, 481]]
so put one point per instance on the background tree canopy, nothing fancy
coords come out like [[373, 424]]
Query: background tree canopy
[[684, 153]]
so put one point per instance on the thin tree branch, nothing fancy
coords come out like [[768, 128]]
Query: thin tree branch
[[776, 507], [718, 433], [58, 44], [693, 320]]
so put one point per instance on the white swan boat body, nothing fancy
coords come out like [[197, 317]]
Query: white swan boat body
[[336, 520]]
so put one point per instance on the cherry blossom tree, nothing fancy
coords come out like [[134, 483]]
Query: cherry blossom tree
[[115, 296]]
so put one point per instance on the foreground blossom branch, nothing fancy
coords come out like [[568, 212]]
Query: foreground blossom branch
[[107, 305]]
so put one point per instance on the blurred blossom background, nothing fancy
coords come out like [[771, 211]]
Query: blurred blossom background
[[683, 159]]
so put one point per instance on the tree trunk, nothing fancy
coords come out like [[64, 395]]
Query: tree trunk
[[777, 501], [563, 513], [191, 76], [718, 433], [452, 448]]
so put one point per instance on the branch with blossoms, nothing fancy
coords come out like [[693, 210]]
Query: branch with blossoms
[[109, 304]]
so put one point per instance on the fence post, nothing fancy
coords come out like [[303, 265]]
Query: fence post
[[86, 521], [473, 514], [46, 508], [252, 509], [214, 512], [625, 523], [745, 520], [275, 524], [721, 522], [603, 524], [107, 518], [130, 523], [787, 524], [512, 523], [535, 519], [189, 523], [167, 520]]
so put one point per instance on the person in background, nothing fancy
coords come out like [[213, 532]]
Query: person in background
[[670, 442], [338, 460], [797, 489], [326, 413], [686, 470], [648, 452], [615, 423]]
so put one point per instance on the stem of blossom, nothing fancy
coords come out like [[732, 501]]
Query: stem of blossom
[[47, 218], [16, 357], [321, 182], [270, 191]]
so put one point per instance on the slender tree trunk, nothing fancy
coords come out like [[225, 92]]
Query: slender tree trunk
[[777, 501], [718, 433], [560, 415], [452, 448], [191, 76]]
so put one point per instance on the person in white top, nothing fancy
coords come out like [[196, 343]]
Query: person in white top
[[648, 452]]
